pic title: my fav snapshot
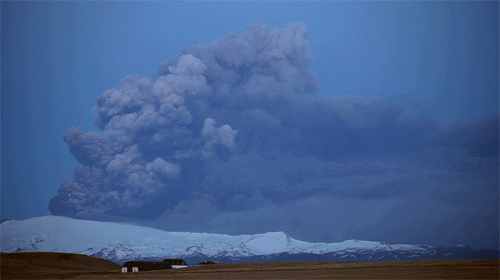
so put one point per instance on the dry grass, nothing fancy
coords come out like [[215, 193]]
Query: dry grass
[[52, 265], [434, 269], [430, 269]]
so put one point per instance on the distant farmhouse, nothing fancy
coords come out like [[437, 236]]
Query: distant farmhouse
[[205, 263], [176, 263], [136, 266]]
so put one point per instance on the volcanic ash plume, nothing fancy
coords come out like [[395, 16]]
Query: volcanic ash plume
[[229, 138], [154, 131]]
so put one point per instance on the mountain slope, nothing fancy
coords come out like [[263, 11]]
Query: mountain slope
[[122, 242]]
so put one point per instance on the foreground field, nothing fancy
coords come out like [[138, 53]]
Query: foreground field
[[71, 267], [436, 269], [52, 265]]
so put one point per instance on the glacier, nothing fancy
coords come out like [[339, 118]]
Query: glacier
[[121, 242]]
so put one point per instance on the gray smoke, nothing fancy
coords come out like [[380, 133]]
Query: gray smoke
[[229, 138]]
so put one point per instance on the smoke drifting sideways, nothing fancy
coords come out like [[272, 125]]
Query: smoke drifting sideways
[[229, 138]]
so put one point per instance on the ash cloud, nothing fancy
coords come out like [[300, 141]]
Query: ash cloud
[[229, 138]]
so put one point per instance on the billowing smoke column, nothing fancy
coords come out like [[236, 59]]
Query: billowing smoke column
[[151, 127], [228, 138]]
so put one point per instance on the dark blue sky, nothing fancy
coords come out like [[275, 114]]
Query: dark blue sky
[[371, 120]]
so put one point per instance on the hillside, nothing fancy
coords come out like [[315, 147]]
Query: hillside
[[43, 265]]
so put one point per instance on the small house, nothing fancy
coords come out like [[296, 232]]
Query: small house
[[136, 266], [205, 263], [176, 263]]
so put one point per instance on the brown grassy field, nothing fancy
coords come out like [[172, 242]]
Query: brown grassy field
[[54, 268]]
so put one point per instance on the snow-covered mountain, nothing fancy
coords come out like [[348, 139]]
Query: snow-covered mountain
[[122, 242]]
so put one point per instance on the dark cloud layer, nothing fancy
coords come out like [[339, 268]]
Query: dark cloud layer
[[228, 138]]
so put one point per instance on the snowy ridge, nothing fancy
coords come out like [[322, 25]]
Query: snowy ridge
[[119, 242]]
